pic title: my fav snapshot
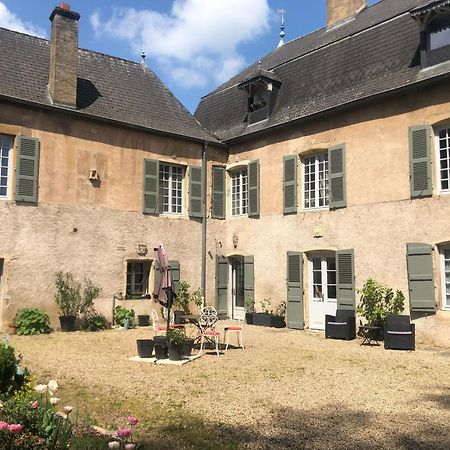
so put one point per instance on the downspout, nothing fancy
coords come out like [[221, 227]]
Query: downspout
[[205, 215]]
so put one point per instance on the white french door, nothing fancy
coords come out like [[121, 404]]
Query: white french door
[[322, 288], [237, 267]]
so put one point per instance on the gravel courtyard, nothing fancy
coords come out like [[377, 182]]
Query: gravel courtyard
[[287, 389]]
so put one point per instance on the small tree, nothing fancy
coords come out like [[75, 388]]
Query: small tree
[[68, 294]]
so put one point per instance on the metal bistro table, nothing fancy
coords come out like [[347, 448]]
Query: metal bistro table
[[370, 335], [193, 319]]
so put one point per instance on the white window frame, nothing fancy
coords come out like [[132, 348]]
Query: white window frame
[[172, 206], [316, 190], [10, 172], [445, 305], [438, 158], [239, 179]]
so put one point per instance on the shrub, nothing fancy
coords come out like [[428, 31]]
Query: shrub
[[94, 321], [32, 321], [7, 366], [68, 294], [121, 313]]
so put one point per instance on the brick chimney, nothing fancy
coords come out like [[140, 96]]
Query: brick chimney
[[62, 83], [339, 10]]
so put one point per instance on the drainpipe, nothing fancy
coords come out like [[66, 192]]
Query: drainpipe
[[205, 214]]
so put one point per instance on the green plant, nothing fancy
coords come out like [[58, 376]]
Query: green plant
[[197, 298], [68, 295], [121, 313], [182, 298], [265, 305], [89, 293], [250, 304], [94, 321], [280, 310], [32, 321], [177, 336], [7, 365], [378, 301]]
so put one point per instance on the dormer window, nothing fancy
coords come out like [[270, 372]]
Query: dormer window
[[262, 90], [439, 32]]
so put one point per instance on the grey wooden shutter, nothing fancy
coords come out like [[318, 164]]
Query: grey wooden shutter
[[175, 269], [336, 171], [218, 193], [221, 284], [290, 184], [27, 169], [195, 192], [249, 278], [421, 277], [420, 161], [253, 189], [295, 310], [345, 273], [151, 198]]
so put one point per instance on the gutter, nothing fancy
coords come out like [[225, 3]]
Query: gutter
[[204, 219]]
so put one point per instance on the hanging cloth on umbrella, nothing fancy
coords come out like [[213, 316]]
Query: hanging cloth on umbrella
[[165, 282]]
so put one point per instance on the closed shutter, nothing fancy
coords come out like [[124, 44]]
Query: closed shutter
[[420, 161], [295, 310], [151, 187], [175, 269], [421, 277], [290, 184], [221, 285], [336, 170], [253, 189], [249, 278], [195, 192], [345, 274], [218, 193], [27, 169]]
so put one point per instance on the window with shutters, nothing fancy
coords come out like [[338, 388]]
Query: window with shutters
[[171, 188], [443, 156], [239, 192], [445, 276], [315, 181], [6, 144], [137, 278]]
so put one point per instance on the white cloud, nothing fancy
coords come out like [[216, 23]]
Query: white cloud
[[9, 20], [197, 42]]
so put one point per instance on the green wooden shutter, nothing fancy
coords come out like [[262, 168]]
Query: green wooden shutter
[[218, 193], [421, 277], [295, 310], [290, 184], [195, 192], [222, 285], [253, 189], [345, 273], [175, 269], [249, 278], [420, 161], [27, 169], [336, 170], [151, 187]]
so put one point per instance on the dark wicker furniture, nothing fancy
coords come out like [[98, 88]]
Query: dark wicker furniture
[[399, 333], [341, 326]]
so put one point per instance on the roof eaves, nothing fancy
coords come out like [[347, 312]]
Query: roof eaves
[[429, 7]]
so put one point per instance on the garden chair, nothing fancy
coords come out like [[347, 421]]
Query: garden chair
[[208, 333], [238, 330], [162, 329], [399, 333], [341, 326], [209, 310]]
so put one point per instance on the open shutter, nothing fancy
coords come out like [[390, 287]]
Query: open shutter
[[295, 311], [420, 161], [253, 189], [175, 269], [27, 169], [249, 278], [221, 285], [336, 170], [345, 279], [290, 184], [421, 277], [195, 192], [218, 193], [151, 187]]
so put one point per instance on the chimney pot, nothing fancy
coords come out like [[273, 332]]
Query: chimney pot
[[65, 6]]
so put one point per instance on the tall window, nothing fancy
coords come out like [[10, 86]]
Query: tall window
[[446, 277], [239, 192], [315, 181], [171, 183], [444, 158], [137, 278], [5, 164]]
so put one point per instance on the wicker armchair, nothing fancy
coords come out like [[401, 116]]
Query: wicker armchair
[[399, 333], [341, 326]]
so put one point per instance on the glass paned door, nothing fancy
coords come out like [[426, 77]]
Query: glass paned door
[[446, 278], [237, 265], [322, 289]]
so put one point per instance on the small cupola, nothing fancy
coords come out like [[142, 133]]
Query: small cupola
[[262, 88]]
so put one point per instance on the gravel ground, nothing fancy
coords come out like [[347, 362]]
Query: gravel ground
[[287, 389]]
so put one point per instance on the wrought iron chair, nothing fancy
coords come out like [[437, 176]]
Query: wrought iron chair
[[238, 330], [162, 329], [207, 326]]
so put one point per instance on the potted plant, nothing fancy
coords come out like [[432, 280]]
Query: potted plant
[[264, 318], [160, 346], [124, 317], [177, 337], [377, 302], [278, 318], [249, 310], [143, 320], [181, 301], [68, 298], [145, 347]]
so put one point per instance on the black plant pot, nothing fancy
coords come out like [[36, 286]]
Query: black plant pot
[[144, 320], [249, 318], [278, 322], [145, 348], [188, 345], [176, 352], [67, 323], [178, 317], [160, 346], [262, 319]]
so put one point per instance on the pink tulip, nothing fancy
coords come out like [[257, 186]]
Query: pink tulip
[[132, 420], [35, 404], [130, 446], [15, 428], [4, 425], [68, 409], [124, 432]]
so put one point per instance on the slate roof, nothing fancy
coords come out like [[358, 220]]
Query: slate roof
[[375, 53], [108, 87]]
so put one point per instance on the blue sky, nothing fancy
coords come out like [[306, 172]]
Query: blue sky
[[192, 45]]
